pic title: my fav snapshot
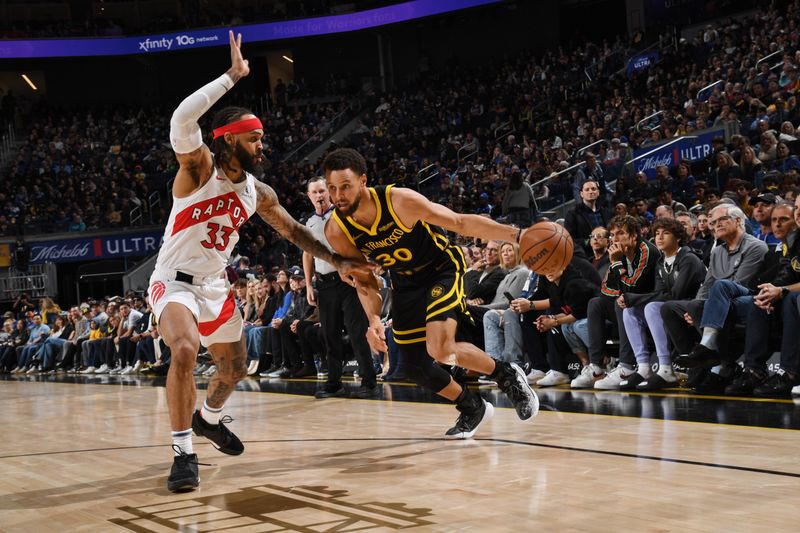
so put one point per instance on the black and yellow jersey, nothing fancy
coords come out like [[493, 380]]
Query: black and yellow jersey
[[418, 251]]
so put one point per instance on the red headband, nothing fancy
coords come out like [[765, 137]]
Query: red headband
[[240, 126]]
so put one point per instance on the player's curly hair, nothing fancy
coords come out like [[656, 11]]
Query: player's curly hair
[[223, 151], [344, 158]]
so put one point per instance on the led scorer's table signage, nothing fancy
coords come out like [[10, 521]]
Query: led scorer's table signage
[[186, 40]]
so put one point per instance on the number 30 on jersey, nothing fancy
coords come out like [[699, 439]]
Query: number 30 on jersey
[[401, 254]]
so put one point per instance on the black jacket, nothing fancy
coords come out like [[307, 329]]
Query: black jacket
[[790, 273], [572, 294], [486, 289], [681, 282], [578, 223], [643, 278]]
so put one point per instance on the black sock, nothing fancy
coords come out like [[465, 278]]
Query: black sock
[[468, 399], [499, 366]]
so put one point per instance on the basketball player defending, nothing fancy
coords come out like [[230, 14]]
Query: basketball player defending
[[214, 195], [401, 230]]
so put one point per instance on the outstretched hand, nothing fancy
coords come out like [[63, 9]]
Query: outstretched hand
[[350, 269], [240, 67], [376, 338]]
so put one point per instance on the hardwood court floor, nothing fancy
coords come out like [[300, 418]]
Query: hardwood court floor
[[93, 455]]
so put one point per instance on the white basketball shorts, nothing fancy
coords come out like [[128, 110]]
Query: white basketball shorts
[[211, 302]]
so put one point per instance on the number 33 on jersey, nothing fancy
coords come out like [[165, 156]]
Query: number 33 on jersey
[[203, 227]]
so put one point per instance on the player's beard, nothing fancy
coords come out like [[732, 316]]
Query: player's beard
[[352, 208], [248, 162]]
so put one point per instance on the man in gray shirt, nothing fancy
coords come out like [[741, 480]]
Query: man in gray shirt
[[733, 266]]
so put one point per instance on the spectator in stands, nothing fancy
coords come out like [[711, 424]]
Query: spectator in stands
[[59, 333], [19, 337], [632, 270], [586, 215], [480, 283], [122, 340], [519, 205], [726, 170], [286, 328], [752, 169], [590, 171], [494, 313], [6, 343], [768, 148], [642, 190], [640, 209], [683, 187], [37, 335], [567, 295], [77, 223], [762, 214], [258, 336], [785, 161], [732, 268], [598, 240], [48, 310], [679, 273], [22, 305], [663, 211], [776, 302]]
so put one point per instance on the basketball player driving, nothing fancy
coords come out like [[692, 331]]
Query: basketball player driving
[[402, 231], [214, 194]]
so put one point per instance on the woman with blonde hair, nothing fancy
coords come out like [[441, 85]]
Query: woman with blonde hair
[[752, 168], [49, 310], [726, 170]]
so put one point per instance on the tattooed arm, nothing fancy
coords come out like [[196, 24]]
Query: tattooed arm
[[275, 215]]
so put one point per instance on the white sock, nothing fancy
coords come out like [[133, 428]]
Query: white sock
[[182, 440], [210, 414], [644, 370], [665, 370], [709, 339], [596, 369]]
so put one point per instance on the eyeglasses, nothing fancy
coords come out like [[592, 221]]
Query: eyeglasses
[[599, 236], [715, 223]]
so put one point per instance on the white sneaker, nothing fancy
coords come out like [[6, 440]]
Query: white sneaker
[[88, 370], [252, 370], [534, 376], [102, 370], [586, 379], [614, 378], [199, 369], [127, 370], [211, 371], [116, 370], [796, 390], [137, 367], [552, 378], [32, 370]]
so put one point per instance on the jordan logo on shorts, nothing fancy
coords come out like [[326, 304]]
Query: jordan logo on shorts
[[157, 290]]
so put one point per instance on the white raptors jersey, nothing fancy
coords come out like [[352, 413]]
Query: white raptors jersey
[[203, 227]]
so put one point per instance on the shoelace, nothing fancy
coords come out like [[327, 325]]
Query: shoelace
[[185, 456], [226, 419]]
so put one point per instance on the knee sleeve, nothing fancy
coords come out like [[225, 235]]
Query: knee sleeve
[[422, 370]]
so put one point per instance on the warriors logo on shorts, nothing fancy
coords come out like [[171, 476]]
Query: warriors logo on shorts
[[157, 290], [437, 291]]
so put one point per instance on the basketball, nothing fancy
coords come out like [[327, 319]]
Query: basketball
[[546, 247]]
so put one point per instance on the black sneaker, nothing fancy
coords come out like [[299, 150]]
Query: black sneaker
[[712, 384], [778, 385], [220, 436], [183, 476], [327, 393], [512, 381], [743, 385], [469, 421], [699, 357], [365, 393]]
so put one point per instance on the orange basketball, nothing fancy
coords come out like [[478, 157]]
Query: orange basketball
[[546, 247]]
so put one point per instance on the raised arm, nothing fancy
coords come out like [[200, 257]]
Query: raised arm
[[411, 206], [273, 213], [194, 157]]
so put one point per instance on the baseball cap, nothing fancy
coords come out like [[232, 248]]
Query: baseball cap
[[767, 198], [8, 314], [296, 272]]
